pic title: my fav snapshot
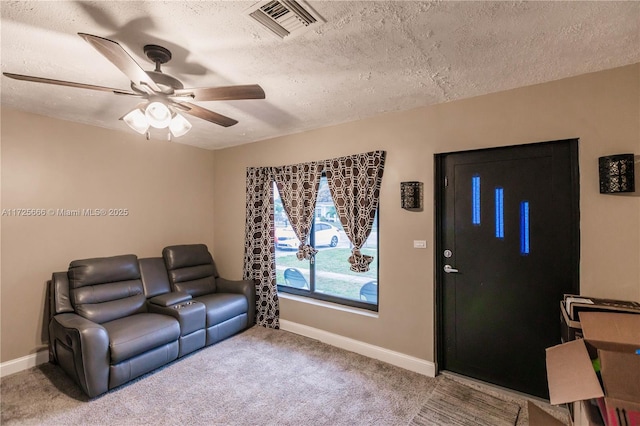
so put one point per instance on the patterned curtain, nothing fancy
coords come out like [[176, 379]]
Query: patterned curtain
[[354, 182], [259, 251], [298, 187]]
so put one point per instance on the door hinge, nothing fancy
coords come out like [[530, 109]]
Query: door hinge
[[446, 182]]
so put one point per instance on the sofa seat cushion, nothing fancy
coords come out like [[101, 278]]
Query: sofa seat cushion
[[139, 333], [223, 306]]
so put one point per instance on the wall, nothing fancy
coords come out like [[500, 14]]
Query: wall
[[602, 109], [52, 164]]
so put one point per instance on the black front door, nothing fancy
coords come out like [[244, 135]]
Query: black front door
[[508, 249]]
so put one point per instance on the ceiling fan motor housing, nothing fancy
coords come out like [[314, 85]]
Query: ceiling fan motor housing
[[160, 55], [157, 54]]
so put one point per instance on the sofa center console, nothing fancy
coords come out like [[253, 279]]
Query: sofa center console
[[190, 314], [183, 305]]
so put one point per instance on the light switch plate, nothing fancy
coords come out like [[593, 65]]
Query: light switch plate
[[419, 244]]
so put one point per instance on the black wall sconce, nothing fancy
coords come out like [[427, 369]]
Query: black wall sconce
[[411, 195], [616, 173]]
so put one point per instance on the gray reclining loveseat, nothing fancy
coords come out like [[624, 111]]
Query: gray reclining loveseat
[[113, 319]]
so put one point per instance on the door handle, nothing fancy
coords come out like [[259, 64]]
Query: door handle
[[448, 269]]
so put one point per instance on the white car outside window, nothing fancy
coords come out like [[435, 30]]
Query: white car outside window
[[325, 235]]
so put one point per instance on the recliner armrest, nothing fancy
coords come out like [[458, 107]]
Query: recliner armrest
[[246, 287], [169, 299], [87, 343]]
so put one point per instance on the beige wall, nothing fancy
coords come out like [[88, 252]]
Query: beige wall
[[47, 163], [602, 109], [168, 189]]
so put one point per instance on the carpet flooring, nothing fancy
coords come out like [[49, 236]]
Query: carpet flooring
[[259, 377]]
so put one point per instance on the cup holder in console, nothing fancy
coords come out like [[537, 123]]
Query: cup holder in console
[[183, 305]]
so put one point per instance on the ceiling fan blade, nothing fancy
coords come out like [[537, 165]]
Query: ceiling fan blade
[[68, 84], [206, 114], [227, 93], [121, 59]]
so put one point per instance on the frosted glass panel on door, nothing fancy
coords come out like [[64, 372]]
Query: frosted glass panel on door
[[524, 228], [475, 200]]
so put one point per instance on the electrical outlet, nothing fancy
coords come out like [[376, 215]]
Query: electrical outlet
[[421, 244]]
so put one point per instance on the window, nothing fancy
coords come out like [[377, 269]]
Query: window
[[327, 276]]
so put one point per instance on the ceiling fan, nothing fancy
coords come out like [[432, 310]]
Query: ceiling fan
[[164, 96]]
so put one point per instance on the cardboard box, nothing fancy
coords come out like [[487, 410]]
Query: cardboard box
[[575, 304], [539, 417], [569, 329], [621, 377], [614, 338], [586, 413]]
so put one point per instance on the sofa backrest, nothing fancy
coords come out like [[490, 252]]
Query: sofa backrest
[[191, 269], [59, 298], [155, 280], [106, 288]]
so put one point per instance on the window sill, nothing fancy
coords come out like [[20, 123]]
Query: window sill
[[328, 305]]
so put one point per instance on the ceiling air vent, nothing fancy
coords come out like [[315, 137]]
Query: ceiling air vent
[[285, 18]]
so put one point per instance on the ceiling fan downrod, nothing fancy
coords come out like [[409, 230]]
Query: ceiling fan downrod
[[157, 54]]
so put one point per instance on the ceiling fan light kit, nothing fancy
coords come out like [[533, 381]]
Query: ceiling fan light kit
[[179, 126], [137, 121], [163, 94], [158, 115]]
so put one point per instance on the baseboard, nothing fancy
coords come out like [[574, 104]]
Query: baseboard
[[398, 359], [23, 363]]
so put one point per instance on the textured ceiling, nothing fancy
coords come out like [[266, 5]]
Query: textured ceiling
[[368, 58]]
